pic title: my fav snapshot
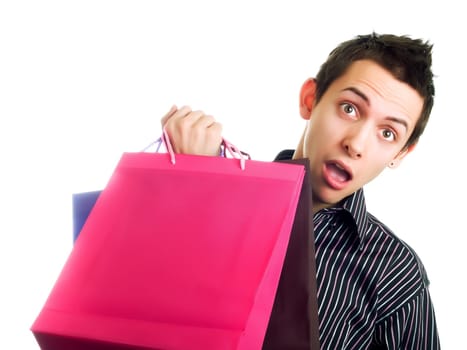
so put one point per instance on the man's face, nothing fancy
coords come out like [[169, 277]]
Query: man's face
[[359, 127]]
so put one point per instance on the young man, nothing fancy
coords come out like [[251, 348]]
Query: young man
[[365, 111]]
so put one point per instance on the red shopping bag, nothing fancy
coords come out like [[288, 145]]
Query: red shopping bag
[[175, 256]]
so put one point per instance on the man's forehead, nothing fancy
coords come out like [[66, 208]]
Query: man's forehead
[[374, 84]]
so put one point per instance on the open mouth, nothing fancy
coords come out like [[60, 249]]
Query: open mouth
[[336, 175]]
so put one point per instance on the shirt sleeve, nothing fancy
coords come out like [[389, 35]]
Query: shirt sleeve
[[412, 326]]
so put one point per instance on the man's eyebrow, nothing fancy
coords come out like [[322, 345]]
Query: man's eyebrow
[[359, 93], [399, 121], [367, 100]]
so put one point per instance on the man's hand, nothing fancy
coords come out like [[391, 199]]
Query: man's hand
[[192, 132]]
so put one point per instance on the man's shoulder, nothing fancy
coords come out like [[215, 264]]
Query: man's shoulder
[[285, 154], [402, 254]]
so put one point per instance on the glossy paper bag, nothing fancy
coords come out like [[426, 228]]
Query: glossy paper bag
[[175, 256]]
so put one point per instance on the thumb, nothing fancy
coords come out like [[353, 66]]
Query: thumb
[[167, 116]]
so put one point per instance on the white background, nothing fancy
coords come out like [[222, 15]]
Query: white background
[[83, 81]]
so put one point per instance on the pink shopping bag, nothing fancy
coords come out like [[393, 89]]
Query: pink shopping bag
[[175, 256]]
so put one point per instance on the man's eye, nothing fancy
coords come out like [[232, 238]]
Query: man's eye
[[348, 109], [388, 134]]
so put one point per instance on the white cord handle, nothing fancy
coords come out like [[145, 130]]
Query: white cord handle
[[232, 149], [236, 153], [168, 145]]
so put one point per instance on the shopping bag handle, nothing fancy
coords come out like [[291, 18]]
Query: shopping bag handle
[[226, 146], [234, 152]]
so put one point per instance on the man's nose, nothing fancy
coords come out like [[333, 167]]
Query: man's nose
[[356, 141], [354, 153]]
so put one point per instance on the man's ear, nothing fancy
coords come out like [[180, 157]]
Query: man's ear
[[401, 155], [307, 98]]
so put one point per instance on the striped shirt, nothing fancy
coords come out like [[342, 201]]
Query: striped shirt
[[372, 288]]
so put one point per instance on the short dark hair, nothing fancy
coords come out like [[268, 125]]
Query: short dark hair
[[409, 60]]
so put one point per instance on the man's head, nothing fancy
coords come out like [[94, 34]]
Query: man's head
[[366, 109], [409, 60]]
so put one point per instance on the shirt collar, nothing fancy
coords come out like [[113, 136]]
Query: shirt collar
[[353, 210], [355, 205]]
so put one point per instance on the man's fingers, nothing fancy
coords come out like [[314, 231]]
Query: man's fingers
[[192, 132], [204, 121], [182, 112]]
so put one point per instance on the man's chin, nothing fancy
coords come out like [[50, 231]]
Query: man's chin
[[327, 198]]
